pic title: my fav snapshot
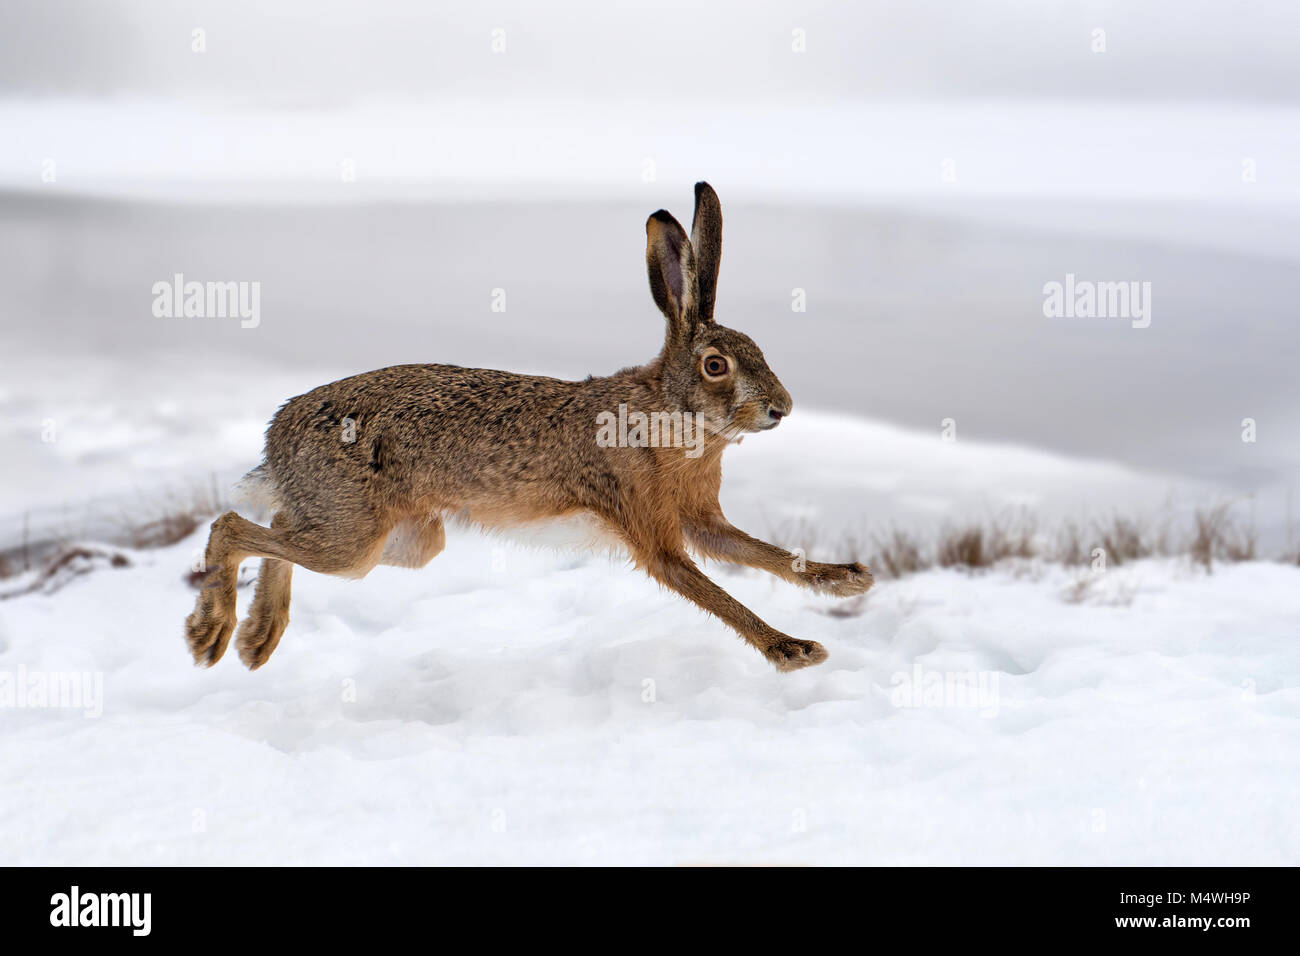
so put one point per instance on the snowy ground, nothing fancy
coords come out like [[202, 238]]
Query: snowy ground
[[513, 706]]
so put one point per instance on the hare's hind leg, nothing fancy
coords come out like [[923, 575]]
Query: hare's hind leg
[[268, 615], [212, 622], [349, 545]]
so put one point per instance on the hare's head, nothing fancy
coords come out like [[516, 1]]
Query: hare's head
[[717, 373]]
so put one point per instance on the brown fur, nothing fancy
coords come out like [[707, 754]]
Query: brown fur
[[503, 450]]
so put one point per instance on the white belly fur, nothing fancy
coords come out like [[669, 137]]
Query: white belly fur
[[581, 532]]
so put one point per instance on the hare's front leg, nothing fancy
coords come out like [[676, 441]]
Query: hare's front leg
[[718, 538], [677, 571]]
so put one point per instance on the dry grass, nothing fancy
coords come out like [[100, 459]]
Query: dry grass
[[1218, 536], [963, 548], [898, 553], [1123, 540], [982, 546], [172, 517], [67, 564], [1068, 546], [1215, 535], [157, 521]]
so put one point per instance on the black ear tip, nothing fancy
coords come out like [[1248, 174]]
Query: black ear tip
[[700, 187], [662, 216]]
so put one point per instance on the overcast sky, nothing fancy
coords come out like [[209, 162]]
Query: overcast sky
[[303, 53]]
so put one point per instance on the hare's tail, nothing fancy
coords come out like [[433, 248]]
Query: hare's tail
[[258, 489]]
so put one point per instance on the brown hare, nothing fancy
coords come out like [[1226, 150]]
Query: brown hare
[[365, 471]]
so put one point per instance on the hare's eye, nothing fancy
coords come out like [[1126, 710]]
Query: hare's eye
[[715, 366]]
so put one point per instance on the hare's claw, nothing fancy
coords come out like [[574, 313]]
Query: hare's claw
[[790, 654], [208, 634], [841, 580]]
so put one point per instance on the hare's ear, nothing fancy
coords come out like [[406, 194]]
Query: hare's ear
[[706, 238], [670, 262]]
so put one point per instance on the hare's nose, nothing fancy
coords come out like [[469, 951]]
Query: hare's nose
[[775, 413]]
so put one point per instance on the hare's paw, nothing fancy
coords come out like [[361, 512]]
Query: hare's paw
[[208, 634], [841, 580], [790, 654], [258, 637]]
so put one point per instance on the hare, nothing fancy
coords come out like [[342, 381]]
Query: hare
[[366, 470]]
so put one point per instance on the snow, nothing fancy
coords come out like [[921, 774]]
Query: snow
[[513, 705]]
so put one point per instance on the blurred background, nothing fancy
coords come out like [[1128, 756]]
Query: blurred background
[[914, 175]]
